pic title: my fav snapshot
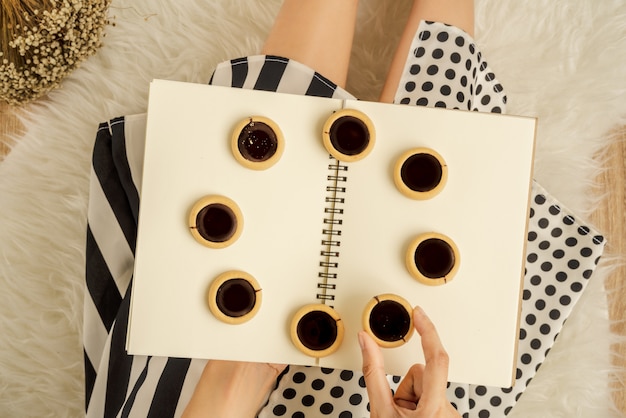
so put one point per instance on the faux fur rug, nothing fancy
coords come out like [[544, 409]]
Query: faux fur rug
[[561, 61]]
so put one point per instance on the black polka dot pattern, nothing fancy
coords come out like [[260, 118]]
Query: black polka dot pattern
[[317, 392], [445, 69]]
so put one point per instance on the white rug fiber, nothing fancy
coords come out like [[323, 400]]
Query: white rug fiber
[[563, 61]]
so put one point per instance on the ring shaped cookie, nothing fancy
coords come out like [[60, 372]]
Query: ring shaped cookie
[[388, 318], [257, 143], [349, 135], [317, 330], [215, 221], [433, 259], [234, 297], [420, 173]]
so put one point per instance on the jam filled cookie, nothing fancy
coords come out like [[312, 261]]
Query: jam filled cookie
[[257, 143]]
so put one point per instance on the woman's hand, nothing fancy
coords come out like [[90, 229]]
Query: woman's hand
[[422, 392], [232, 389]]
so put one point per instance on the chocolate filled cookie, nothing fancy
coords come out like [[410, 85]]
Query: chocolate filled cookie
[[433, 259], [349, 135], [317, 330], [420, 173], [234, 297], [215, 221], [388, 319]]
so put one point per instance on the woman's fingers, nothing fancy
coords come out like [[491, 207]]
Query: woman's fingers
[[409, 390], [435, 375], [376, 382], [423, 389]]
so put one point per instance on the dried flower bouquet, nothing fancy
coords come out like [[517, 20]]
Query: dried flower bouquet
[[43, 41]]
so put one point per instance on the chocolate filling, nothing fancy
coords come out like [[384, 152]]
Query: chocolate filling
[[257, 142], [349, 135], [236, 297], [421, 172], [216, 222], [317, 330], [434, 258], [390, 321]]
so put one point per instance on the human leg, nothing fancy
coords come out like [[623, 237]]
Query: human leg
[[459, 13], [316, 33]]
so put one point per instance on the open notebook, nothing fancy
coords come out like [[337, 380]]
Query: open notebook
[[483, 208]]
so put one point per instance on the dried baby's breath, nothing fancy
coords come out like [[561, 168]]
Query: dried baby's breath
[[43, 41]]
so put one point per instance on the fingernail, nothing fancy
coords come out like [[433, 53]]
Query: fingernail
[[418, 312]]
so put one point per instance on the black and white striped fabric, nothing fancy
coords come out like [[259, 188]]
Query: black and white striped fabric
[[272, 73], [444, 68]]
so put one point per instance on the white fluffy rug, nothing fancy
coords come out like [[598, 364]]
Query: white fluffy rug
[[562, 61]]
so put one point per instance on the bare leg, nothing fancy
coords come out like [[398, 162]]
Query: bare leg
[[317, 33], [459, 13]]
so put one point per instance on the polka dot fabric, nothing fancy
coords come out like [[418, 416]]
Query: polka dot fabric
[[446, 69], [315, 392]]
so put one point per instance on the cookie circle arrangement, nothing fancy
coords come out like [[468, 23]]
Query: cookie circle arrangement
[[234, 297], [388, 319], [420, 173], [215, 221], [317, 330], [432, 259], [257, 143], [349, 135]]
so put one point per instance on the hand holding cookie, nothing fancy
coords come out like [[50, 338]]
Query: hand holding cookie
[[422, 392]]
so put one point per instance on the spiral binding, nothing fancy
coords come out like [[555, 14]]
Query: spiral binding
[[333, 213]]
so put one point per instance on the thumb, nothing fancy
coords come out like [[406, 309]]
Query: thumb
[[376, 382]]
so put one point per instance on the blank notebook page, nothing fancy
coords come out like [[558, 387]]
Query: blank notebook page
[[483, 208]]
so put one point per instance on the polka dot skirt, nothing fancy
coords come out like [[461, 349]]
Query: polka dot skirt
[[445, 69]]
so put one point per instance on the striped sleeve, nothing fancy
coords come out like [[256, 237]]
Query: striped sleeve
[[273, 73]]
